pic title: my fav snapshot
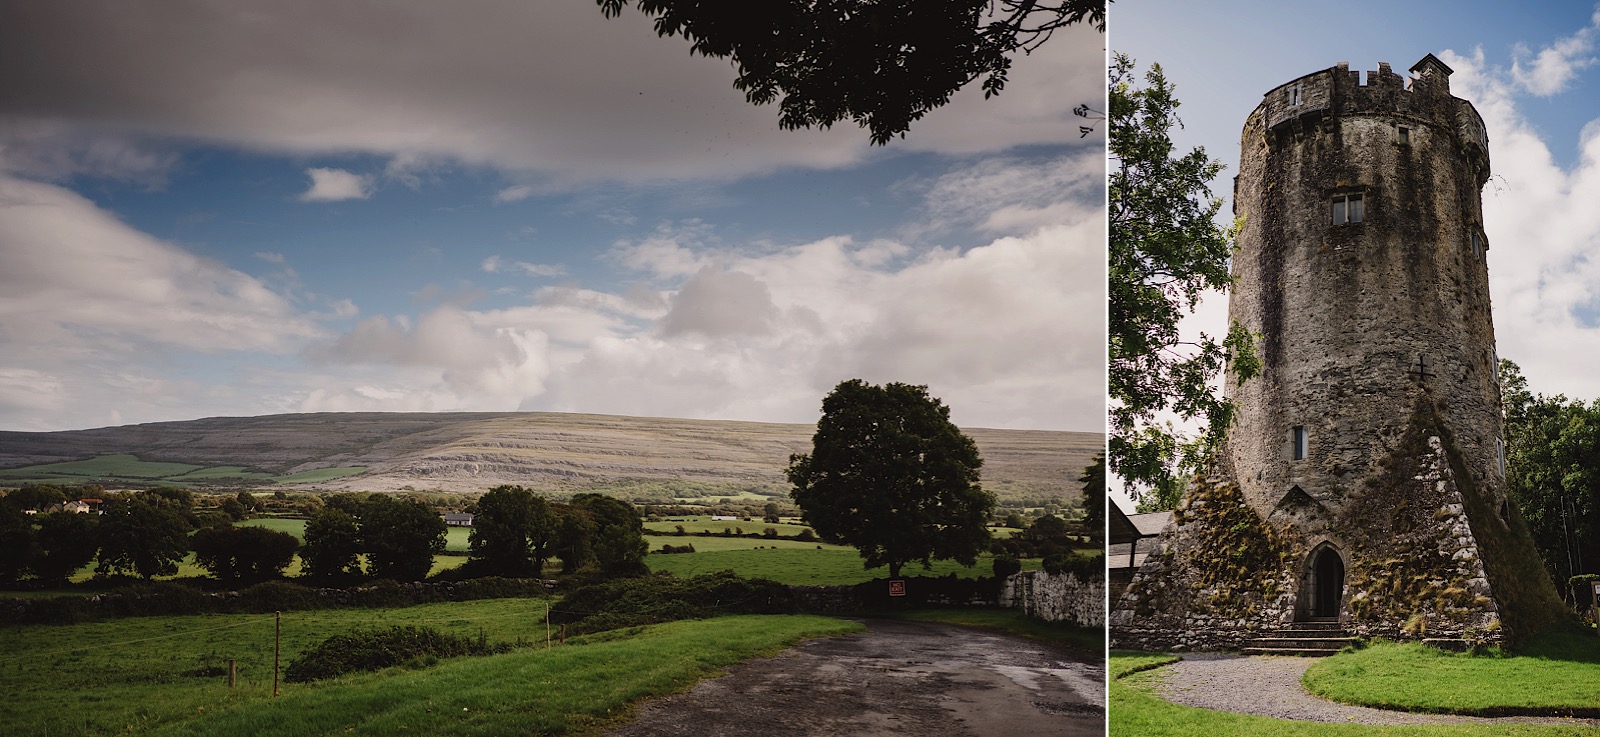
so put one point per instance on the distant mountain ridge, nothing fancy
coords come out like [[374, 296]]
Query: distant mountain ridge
[[473, 451]]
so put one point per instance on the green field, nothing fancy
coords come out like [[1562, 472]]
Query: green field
[[1136, 712], [704, 523], [455, 538], [166, 675], [831, 566], [128, 468], [1561, 672]]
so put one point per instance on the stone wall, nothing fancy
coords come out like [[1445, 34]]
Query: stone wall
[[1057, 598]]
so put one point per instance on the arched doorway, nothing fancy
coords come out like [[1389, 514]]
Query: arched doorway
[[1327, 582]]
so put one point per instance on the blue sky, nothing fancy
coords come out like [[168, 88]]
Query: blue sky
[[223, 208], [1530, 70]]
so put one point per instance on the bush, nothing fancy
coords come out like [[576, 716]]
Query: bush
[[1085, 567], [1006, 566], [675, 549], [365, 650], [664, 598], [805, 535], [276, 596]]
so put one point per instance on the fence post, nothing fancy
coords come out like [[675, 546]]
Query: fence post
[[277, 649], [233, 672]]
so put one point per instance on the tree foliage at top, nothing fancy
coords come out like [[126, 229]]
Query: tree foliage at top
[[144, 534], [1553, 473], [332, 544], [400, 537], [246, 555], [1166, 250], [880, 63], [1094, 498], [513, 533], [617, 541], [890, 475]]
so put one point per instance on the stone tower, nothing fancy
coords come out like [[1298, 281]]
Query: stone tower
[[1363, 481]]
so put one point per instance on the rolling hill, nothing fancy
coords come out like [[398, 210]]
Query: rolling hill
[[473, 451]]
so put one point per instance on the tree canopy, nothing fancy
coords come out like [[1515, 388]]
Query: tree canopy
[[890, 475], [513, 533], [1553, 473], [1166, 250], [143, 534], [880, 63], [400, 537]]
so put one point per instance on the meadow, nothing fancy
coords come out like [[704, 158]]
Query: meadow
[[167, 675], [829, 566]]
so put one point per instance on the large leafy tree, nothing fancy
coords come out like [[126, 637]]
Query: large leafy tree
[[244, 554], [880, 63], [1094, 498], [400, 537], [67, 541], [617, 541], [1166, 250], [1553, 473], [889, 474], [144, 534], [513, 533], [332, 544]]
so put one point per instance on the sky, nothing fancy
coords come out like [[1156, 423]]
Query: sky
[[217, 208], [1532, 73]]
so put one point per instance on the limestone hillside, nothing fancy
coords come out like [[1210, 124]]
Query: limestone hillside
[[473, 451]]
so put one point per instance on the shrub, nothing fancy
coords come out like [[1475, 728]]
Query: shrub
[[365, 650], [675, 549], [805, 535], [1084, 567], [664, 598], [276, 596], [1006, 566]]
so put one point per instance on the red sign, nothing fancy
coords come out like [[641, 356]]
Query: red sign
[[897, 588]]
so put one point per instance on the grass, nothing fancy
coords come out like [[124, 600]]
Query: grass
[[127, 675], [108, 466], [831, 566], [1090, 640], [1136, 712], [704, 523], [711, 544], [532, 691], [166, 675], [1559, 674], [319, 475]]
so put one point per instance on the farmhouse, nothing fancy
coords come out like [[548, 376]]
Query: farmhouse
[[458, 519]]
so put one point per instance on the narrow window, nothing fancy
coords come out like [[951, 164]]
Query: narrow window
[[1477, 245], [1501, 456], [1301, 443], [1347, 208], [1294, 95], [1405, 136]]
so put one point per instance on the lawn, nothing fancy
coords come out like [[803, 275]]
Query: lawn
[[704, 523], [165, 675], [1561, 672], [1136, 712], [831, 566]]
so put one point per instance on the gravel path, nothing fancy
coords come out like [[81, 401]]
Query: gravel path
[[1270, 686]]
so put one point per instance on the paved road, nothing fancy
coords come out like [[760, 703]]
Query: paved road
[[897, 678], [1270, 686]]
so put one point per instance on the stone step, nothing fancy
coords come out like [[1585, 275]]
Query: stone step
[[1303, 643], [1295, 651]]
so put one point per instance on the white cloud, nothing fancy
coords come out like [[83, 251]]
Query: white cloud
[[271, 257], [718, 304], [495, 264], [1544, 233], [513, 194], [1555, 66], [333, 185], [92, 312], [471, 82]]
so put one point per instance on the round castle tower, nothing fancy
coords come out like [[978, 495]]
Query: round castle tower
[[1361, 264], [1361, 489]]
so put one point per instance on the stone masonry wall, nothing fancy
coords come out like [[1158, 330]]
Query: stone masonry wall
[[1057, 597]]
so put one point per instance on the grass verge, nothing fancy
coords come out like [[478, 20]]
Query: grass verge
[[800, 566], [569, 689], [1558, 676], [1136, 712]]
